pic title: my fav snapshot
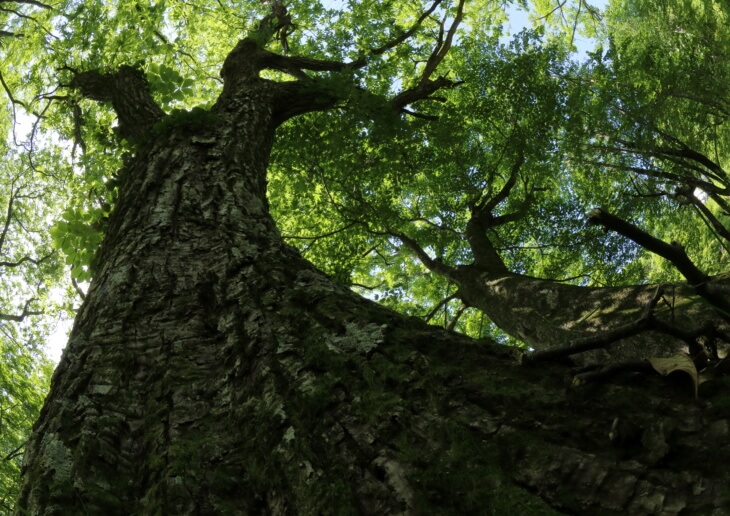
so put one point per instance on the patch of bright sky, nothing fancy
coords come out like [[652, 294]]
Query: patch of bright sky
[[519, 19]]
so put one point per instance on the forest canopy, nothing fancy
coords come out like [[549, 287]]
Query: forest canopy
[[530, 157]]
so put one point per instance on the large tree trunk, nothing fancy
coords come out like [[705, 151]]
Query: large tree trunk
[[211, 370]]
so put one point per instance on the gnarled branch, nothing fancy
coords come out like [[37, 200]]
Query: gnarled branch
[[129, 94]]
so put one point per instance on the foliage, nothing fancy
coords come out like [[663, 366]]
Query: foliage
[[24, 379]]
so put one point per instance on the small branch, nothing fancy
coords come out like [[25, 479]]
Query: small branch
[[400, 39], [8, 217], [661, 174], [716, 225], [320, 237], [78, 134], [456, 318], [22, 316], [26, 259], [17, 451], [78, 289], [438, 306], [33, 2], [492, 203], [443, 47], [290, 64]]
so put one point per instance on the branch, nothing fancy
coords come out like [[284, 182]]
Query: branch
[[22, 316], [290, 64], [492, 203], [33, 2], [26, 259], [78, 289], [17, 451], [278, 23], [673, 252], [717, 226], [321, 236], [443, 47], [486, 256], [456, 318], [438, 306], [704, 185], [8, 217], [400, 39], [434, 265], [129, 94], [421, 91]]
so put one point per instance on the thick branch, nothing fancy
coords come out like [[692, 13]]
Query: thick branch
[[486, 257], [673, 252], [295, 98], [422, 91], [129, 94]]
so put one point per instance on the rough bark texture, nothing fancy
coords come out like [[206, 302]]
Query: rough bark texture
[[211, 370], [546, 314]]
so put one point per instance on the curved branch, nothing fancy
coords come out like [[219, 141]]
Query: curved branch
[[673, 252], [492, 203], [22, 316], [294, 64], [129, 94], [434, 265], [598, 341], [438, 306]]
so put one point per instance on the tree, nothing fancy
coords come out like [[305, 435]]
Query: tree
[[212, 369]]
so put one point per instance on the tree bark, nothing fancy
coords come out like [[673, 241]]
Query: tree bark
[[546, 314], [212, 370]]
